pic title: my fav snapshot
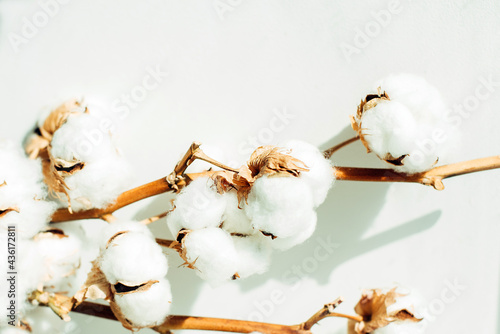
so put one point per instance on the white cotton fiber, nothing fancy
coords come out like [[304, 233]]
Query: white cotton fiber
[[133, 258], [146, 308], [196, 207], [402, 327], [320, 175], [411, 123], [308, 228], [81, 139], [281, 206], [62, 257], [111, 229], [213, 254], [104, 174], [22, 190], [235, 220], [254, 254]]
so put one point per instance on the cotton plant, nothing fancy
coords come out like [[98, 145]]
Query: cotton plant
[[226, 222], [403, 121], [227, 225]]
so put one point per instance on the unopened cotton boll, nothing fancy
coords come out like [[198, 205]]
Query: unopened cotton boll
[[235, 220], [22, 192], [211, 250], [280, 206], [320, 175], [254, 254], [122, 226], [196, 207], [146, 308], [133, 258]]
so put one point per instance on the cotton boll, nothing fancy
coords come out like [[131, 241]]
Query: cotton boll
[[235, 220], [62, 257], [280, 206], [122, 226], [81, 139], [30, 272], [98, 184], [196, 207], [133, 258], [212, 252], [146, 308], [22, 192], [254, 254], [320, 175]]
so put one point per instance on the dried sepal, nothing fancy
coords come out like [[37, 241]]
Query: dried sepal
[[50, 233], [267, 160], [123, 288], [95, 287], [373, 307], [59, 303], [53, 178], [370, 101], [120, 316], [6, 210]]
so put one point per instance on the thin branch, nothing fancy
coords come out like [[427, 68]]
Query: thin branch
[[219, 324], [433, 177], [328, 153]]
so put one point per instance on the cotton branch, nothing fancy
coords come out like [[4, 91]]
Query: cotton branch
[[224, 325], [177, 180], [328, 153]]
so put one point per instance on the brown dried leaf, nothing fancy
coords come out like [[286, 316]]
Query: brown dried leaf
[[272, 160], [95, 287], [373, 308], [266, 160]]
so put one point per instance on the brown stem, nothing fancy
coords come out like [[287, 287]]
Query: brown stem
[[219, 324], [433, 177], [328, 153]]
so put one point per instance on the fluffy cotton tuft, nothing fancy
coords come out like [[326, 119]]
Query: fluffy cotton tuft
[[122, 226], [22, 190], [320, 175], [133, 258], [282, 207], [146, 308], [402, 130], [104, 174], [197, 206], [254, 254], [212, 252], [62, 256], [235, 220]]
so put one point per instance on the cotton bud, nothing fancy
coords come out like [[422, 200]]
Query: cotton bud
[[404, 123]]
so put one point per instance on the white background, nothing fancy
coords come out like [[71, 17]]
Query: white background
[[228, 72]]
